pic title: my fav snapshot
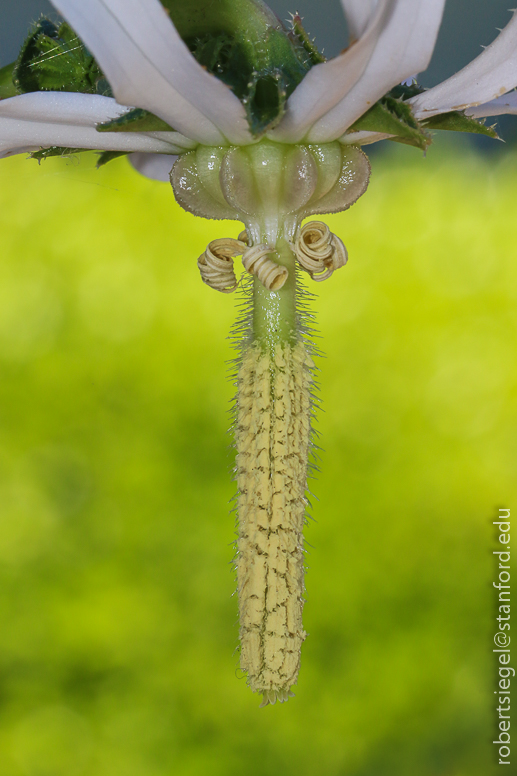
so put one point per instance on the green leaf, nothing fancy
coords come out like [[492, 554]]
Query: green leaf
[[7, 87], [457, 121], [136, 120], [391, 116], [54, 59], [245, 45]]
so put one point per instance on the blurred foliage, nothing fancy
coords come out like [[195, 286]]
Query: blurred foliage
[[117, 649]]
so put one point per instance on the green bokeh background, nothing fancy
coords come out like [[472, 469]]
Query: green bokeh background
[[118, 645]]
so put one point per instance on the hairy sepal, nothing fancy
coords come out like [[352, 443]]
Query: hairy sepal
[[308, 44], [393, 116], [246, 46], [53, 58], [135, 120], [457, 121]]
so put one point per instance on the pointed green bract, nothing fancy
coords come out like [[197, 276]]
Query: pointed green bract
[[109, 156], [456, 121], [54, 59], [136, 120], [392, 116], [246, 46]]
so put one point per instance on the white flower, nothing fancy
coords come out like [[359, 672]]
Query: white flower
[[149, 66], [271, 172]]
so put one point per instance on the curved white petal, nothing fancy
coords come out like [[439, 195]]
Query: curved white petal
[[404, 47], [154, 166], [358, 15], [399, 41], [46, 119], [326, 84], [505, 104], [149, 66], [490, 75]]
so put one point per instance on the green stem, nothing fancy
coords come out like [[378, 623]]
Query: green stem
[[274, 312]]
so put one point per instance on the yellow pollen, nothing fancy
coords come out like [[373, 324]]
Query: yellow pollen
[[272, 439]]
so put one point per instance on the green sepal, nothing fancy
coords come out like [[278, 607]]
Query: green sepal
[[245, 45], [46, 153], [7, 87], [391, 116], [53, 58], [104, 156], [136, 120], [315, 56], [109, 156], [457, 121]]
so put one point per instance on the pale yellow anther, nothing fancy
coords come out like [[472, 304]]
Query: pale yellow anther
[[270, 274], [216, 264], [319, 251]]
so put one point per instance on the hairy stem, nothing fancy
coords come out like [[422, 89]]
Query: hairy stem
[[273, 434]]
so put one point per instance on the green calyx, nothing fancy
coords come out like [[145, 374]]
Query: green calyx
[[246, 46], [393, 115]]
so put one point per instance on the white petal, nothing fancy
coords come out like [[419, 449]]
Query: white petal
[[404, 47], [505, 104], [490, 75], [326, 84], [358, 15], [398, 42], [45, 119], [154, 166], [149, 66]]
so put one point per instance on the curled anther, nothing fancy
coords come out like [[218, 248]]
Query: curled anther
[[216, 264], [270, 274], [319, 251]]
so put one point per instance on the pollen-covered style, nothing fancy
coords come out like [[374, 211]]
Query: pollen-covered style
[[250, 122]]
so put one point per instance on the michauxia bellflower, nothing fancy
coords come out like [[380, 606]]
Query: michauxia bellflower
[[249, 122]]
